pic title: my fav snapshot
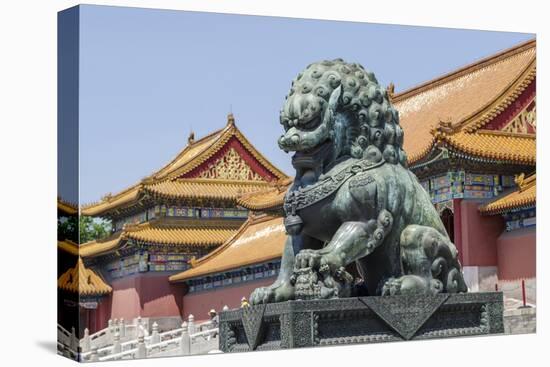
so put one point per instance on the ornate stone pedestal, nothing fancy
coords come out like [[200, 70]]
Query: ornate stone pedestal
[[296, 324]]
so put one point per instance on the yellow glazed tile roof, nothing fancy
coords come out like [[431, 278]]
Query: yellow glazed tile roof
[[463, 98], [83, 281], [66, 207], [502, 146], [68, 246], [205, 188], [524, 196], [165, 232], [260, 239], [191, 157], [200, 235], [198, 152], [192, 150], [112, 201], [97, 247], [270, 198]]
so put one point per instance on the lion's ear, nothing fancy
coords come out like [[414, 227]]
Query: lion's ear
[[335, 98]]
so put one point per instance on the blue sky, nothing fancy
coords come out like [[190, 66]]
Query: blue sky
[[148, 77]]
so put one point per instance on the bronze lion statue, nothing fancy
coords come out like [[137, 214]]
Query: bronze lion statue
[[358, 221]]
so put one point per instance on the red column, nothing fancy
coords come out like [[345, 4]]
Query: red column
[[457, 219]]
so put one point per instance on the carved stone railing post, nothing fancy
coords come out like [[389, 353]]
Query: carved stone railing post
[[116, 344], [86, 344], [110, 331], [116, 326], [191, 324], [138, 325], [141, 348], [122, 328], [94, 357], [185, 342], [73, 341], [155, 337]]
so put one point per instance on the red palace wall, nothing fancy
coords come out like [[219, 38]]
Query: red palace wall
[[145, 295], [517, 254], [479, 235], [198, 304]]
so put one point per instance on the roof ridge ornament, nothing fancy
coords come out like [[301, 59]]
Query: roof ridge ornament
[[446, 124], [522, 182], [390, 89], [107, 197], [230, 119], [148, 180]]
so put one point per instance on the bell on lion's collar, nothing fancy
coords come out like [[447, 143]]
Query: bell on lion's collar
[[293, 224]]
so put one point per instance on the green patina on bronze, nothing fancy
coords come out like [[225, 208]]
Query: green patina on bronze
[[353, 200]]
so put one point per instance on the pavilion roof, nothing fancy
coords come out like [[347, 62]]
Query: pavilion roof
[[66, 207], [181, 178], [102, 246], [271, 197], [83, 280], [201, 234], [68, 246], [193, 233], [259, 239], [205, 188], [454, 109], [523, 197]]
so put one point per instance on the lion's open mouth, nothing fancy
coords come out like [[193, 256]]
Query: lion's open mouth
[[311, 157], [311, 124], [314, 150]]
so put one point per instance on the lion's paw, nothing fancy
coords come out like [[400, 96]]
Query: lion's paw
[[280, 293], [262, 295]]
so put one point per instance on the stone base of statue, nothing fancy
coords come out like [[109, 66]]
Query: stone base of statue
[[297, 324]]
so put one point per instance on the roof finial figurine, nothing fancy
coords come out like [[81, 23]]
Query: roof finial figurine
[[391, 90], [230, 119], [518, 179], [191, 138]]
